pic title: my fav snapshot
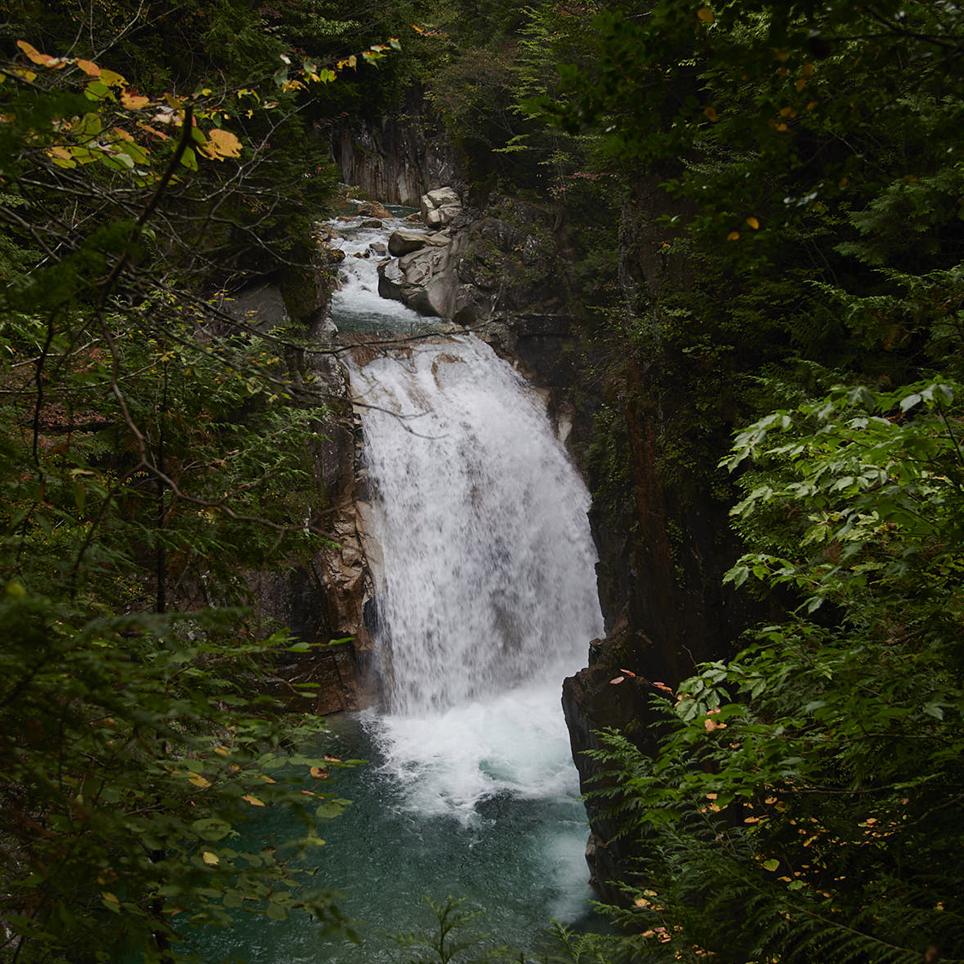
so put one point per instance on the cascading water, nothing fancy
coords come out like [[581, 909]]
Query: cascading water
[[485, 594]]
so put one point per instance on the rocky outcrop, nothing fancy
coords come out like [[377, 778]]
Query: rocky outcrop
[[663, 552], [425, 277], [319, 599], [591, 702], [439, 207]]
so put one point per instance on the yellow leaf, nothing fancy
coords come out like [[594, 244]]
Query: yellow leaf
[[88, 67], [710, 113], [732, 236], [221, 144], [753, 223], [60, 152], [45, 60], [801, 83], [782, 127], [123, 135], [254, 801], [705, 14], [199, 781], [112, 78], [318, 773], [134, 101], [812, 104], [222, 750], [212, 860], [352, 61]]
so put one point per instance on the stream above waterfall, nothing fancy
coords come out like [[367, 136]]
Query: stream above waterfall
[[484, 589]]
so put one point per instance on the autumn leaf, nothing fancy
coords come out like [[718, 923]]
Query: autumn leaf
[[754, 223], [35, 56], [199, 781], [706, 15], [616, 680], [61, 157], [212, 860], [134, 101], [733, 236], [710, 113], [221, 144], [111, 901], [254, 801], [112, 78], [319, 773], [88, 67]]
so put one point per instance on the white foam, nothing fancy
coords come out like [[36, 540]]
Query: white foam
[[447, 763], [358, 296]]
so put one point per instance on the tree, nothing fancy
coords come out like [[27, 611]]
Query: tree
[[155, 447], [807, 794], [805, 790]]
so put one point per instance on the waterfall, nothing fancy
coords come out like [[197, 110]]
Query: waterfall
[[485, 591], [486, 584]]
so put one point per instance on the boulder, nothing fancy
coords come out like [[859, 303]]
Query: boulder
[[403, 242], [440, 206], [372, 209], [425, 279]]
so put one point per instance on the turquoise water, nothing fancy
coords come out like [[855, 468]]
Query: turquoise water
[[517, 860], [486, 601]]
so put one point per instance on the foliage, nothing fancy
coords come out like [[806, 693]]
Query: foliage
[[804, 803], [792, 176], [792, 246], [155, 447], [451, 936]]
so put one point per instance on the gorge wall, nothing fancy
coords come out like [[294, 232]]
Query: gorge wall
[[397, 158]]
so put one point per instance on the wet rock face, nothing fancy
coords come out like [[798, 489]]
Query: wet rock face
[[396, 160]]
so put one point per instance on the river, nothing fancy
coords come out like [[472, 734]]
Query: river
[[485, 593]]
